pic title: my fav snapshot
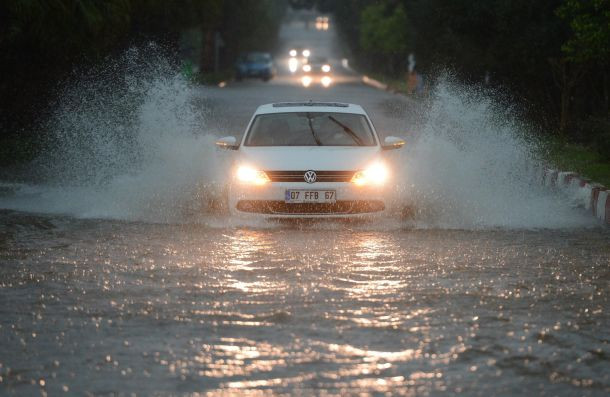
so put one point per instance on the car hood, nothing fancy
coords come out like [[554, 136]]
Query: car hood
[[319, 158]]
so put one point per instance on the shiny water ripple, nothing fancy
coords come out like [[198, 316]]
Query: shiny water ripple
[[107, 307]]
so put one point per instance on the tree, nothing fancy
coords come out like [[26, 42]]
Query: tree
[[384, 32], [589, 22], [588, 46]]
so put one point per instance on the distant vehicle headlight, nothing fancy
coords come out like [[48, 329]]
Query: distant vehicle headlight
[[326, 81], [251, 175], [326, 68], [375, 174], [293, 53], [306, 81], [306, 53], [307, 68], [293, 63]]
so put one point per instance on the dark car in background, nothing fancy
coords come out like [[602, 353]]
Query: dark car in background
[[319, 65], [254, 64]]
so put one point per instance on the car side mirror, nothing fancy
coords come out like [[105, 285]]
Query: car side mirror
[[392, 142], [227, 142]]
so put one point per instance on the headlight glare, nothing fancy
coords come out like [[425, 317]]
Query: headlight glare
[[306, 81], [376, 174], [293, 63], [252, 176]]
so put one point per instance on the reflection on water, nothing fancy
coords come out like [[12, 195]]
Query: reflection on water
[[244, 249], [290, 310]]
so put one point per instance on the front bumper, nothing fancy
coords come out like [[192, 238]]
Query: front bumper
[[255, 72], [269, 200]]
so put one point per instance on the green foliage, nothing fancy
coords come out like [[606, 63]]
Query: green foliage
[[347, 15], [58, 27], [58, 31], [509, 39], [595, 132], [383, 29], [589, 21], [251, 25], [584, 160], [602, 143], [551, 56]]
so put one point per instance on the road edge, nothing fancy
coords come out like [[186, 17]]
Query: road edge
[[371, 82], [592, 196]]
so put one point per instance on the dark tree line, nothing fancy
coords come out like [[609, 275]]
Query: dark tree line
[[42, 41], [554, 55]]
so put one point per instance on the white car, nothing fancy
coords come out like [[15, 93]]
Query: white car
[[309, 160]]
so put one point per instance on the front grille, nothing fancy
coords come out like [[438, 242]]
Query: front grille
[[321, 176], [341, 207]]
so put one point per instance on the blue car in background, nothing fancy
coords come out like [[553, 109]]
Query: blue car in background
[[254, 64]]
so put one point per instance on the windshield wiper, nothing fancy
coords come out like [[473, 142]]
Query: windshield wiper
[[313, 133], [347, 130]]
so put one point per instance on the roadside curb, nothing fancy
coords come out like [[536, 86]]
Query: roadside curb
[[590, 195], [380, 86], [384, 87], [374, 83]]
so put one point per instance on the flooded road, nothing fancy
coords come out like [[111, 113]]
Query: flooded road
[[126, 286], [118, 307]]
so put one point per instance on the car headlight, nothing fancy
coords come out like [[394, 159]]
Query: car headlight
[[306, 81], [307, 68], [293, 64], [251, 175], [293, 53], [306, 53], [326, 68], [375, 174]]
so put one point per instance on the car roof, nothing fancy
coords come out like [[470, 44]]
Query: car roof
[[289, 107]]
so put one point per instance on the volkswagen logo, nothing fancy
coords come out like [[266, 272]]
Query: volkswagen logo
[[310, 176]]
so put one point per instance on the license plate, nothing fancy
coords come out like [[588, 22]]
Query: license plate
[[310, 196]]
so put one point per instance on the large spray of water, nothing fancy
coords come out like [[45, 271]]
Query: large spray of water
[[126, 141], [130, 140], [474, 164]]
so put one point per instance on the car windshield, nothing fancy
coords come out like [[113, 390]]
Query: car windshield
[[310, 129], [257, 57]]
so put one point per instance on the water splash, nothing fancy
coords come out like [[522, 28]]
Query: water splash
[[472, 165], [128, 140], [132, 141]]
